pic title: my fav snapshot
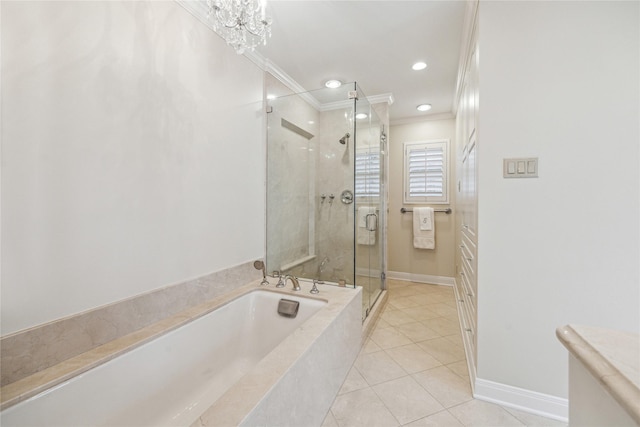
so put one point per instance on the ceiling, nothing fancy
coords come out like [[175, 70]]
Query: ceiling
[[374, 43]]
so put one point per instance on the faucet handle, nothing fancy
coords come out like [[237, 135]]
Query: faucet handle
[[281, 281], [314, 290]]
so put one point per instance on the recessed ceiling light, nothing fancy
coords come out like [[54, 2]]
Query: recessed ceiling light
[[271, 96], [332, 84], [424, 107], [361, 116], [419, 66]]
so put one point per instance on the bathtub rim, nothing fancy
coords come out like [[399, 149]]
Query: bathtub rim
[[257, 387], [31, 386]]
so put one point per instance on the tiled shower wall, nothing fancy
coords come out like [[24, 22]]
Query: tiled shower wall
[[334, 221], [291, 166]]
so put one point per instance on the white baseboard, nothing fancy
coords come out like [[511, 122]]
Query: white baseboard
[[524, 400], [421, 278]]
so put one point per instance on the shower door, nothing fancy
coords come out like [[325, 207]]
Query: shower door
[[369, 209]]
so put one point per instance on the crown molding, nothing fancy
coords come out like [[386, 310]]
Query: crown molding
[[198, 8], [277, 72]]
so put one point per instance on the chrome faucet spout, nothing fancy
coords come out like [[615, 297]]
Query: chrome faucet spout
[[294, 281]]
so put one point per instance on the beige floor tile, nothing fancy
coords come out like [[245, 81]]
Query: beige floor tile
[[454, 318], [381, 323], [353, 382], [388, 307], [437, 366], [420, 313], [440, 419], [406, 400], [451, 303], [424, 299], [485, 414], [460, 368], [397, 317], [362, 408], [442, 309], [406, 291], [443, 350], [439, 298], [417, 331], [532, 420], [443, 326], [329, 421], [370, 347], [421, 288], [378, 367], [389, 338], [412, 358], [395, 283], [456, 339], [448, 388], [404, 302]]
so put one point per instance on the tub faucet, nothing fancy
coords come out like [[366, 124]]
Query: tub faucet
[[294, 280]]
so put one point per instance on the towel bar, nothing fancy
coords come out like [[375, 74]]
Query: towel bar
[[447, 211]]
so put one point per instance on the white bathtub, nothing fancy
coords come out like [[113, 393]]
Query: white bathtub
[[187, 376]]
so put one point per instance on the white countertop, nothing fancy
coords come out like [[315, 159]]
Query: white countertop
[[612, 357]]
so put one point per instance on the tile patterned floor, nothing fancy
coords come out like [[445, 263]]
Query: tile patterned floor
[[412, 370]]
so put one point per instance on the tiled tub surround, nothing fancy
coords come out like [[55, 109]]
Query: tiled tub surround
[[33, 350], [294, 384], [604, 375]]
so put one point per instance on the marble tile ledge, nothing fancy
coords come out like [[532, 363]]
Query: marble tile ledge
[[43, 380], [612, 357], [38, 382], [27, 352]]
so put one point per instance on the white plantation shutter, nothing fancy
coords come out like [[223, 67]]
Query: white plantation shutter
[[367, 180], [425, 170]]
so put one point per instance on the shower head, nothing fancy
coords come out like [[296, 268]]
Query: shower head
[[345, 138]]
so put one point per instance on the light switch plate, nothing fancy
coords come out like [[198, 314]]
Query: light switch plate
[[521, 167]]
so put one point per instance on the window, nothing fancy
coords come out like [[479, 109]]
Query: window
[[367, 181], [426, 172]]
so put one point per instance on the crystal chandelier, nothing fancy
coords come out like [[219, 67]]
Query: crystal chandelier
[[242, 23]]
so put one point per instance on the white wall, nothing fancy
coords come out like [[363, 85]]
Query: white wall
[[403, 257], [558, 81], [132, 155]]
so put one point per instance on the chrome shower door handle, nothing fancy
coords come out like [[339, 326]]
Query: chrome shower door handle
[[375, 222]]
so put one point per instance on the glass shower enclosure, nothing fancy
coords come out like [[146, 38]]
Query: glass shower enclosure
[[325, 177]]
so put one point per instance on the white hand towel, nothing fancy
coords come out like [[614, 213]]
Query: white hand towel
[[364, 236], [425, 215], [423, 239]]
